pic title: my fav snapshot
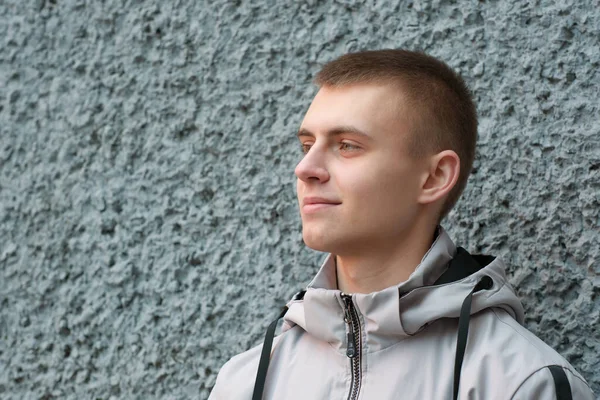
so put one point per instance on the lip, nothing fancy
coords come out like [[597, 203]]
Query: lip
[[314, 207], [318, 200], [314, 204]]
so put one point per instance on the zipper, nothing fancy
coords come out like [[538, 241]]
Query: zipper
[[353, 349]]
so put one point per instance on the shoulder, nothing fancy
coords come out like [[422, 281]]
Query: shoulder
[[554, 381], [528, 366], [525, 345], [236, 377]]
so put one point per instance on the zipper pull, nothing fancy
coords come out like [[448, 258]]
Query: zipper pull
[[351, 350]]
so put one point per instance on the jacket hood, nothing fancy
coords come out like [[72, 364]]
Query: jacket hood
[[403, 310]]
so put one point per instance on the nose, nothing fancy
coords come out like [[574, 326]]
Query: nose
[[312, 167]]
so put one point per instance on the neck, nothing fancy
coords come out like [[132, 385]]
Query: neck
[[385, 265]]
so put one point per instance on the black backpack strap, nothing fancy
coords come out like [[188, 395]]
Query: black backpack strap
[[265, 355], [561, 383], [461, 266], [463, 330], [265, 358]]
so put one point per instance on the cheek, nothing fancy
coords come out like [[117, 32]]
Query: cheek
[[385, 186]]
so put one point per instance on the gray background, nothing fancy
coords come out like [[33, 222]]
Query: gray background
[[149, 228]]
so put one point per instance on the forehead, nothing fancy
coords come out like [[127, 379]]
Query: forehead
[[376, 109]]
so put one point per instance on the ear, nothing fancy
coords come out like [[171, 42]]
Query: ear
[[444, 169]]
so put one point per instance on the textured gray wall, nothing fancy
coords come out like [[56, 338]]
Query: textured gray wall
[[148, 223]]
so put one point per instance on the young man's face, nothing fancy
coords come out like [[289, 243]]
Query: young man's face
[[371, 179]]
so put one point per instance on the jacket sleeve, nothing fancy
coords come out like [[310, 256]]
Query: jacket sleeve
[[541, 385]]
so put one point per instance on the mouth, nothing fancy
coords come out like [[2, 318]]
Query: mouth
[[314, 207], [314, 204]]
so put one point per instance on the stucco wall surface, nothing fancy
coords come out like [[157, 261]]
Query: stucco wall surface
[[148, 223]]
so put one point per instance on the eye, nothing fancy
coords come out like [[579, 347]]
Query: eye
[[304, 148], [348, 146]]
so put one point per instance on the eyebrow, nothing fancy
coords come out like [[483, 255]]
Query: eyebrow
[[336, 131]]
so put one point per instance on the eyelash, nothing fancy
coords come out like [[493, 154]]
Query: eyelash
[[304, 150]]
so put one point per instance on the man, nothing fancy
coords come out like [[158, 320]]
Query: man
[[396, 310]]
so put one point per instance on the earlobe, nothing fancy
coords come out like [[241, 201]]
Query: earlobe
[[443, 174]]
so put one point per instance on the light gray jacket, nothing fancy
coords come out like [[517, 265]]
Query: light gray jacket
[[404, 340]]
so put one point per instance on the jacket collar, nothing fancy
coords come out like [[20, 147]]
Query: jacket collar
[[402, 310], [321, 311]]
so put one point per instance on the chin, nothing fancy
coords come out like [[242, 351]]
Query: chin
[[316, 241], [315, 245], [326, 243], [323, 249]]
